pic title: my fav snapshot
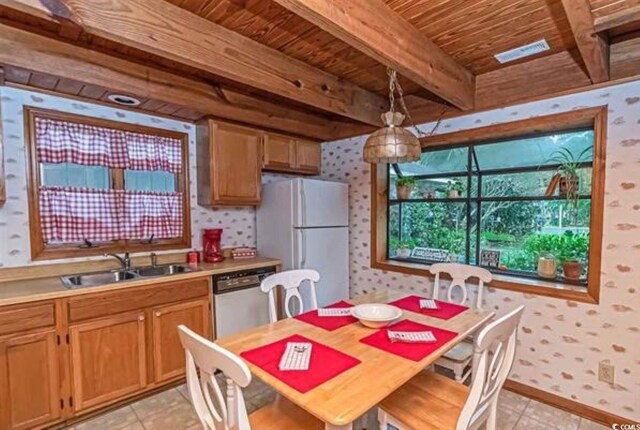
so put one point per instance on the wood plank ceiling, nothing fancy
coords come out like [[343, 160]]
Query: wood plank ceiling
[[470, 32]]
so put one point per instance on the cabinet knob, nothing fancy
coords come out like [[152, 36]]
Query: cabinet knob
[[140, 317], [158, 313]]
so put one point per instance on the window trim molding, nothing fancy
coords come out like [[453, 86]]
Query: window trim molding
[[41, 251], [594, 116]]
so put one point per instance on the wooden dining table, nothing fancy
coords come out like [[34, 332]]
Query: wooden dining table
[[340, 401]]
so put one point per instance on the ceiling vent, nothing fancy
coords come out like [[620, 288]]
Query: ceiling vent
[[522, 51], [123, 100]]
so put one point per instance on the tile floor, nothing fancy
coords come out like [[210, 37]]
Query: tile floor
[[171, 410]]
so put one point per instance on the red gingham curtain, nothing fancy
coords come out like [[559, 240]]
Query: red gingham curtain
[[79, 214], [148, 214], [67, 142], [69, 215]]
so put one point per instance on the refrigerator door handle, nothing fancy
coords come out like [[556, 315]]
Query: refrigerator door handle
[[303, 205], [303, 249]]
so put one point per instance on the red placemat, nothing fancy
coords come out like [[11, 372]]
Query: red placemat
[[445, 310], [328, 323], [412, 351], [326, 363]]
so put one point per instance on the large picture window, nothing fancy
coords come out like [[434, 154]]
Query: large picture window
[[103, 186], [523, 200]]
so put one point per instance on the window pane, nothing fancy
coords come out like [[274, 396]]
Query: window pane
[[434, 188], [523, 231], [534, 151], [147, 180], [526, 184], [431, 231], [444, 161], [74, 175]]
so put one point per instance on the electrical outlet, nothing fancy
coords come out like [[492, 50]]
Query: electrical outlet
[[606, 372]]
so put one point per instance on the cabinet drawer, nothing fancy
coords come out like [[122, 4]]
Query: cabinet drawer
[[20, 318], [114, 302]]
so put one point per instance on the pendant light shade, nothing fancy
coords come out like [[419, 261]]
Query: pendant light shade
[[392, 143]]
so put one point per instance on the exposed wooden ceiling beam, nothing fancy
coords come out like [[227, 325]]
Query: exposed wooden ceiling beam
[[381, 33], [168, 31], [630, 15], [593, 48], [40, 54]]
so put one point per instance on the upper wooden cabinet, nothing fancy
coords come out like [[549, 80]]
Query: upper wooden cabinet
[[290, 155], [229, 164]]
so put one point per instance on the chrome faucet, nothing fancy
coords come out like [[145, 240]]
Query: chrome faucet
[[154, 259], [124, 261]]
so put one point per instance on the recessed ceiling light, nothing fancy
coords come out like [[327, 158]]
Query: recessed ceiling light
[[523, 51], [121, 99]]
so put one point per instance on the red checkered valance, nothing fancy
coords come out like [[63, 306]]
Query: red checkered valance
[[68, 142], [70, 215]]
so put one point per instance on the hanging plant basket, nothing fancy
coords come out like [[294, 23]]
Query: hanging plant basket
[[569, 186]]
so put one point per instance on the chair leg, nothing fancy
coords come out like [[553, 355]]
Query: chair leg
[[382, 419], [458, 371], [493, 416]]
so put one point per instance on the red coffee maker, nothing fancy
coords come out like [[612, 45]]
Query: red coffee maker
[[211, 244]]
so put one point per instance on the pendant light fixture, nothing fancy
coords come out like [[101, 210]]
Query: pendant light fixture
[[392, 143]]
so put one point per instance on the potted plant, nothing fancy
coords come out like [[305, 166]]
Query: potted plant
[[547, 266], [404, 185], [572, 268], [455, 189], [429, 193], [568, 172], [403, 250]]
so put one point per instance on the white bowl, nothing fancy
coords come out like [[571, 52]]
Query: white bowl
[[376, 315]]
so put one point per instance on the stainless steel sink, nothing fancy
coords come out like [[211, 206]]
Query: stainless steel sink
[[113, 276], [169, 269], [97, 278]]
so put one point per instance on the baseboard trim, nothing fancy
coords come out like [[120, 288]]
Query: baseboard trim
[[565, 404]]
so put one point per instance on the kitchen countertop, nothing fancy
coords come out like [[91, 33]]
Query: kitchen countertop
[[31, 290]]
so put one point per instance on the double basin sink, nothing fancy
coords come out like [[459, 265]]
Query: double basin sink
[[113, 276]]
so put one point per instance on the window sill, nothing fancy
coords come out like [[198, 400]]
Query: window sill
[[537, 287]]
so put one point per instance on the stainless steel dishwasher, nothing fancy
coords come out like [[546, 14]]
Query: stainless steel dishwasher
[[239, 304]]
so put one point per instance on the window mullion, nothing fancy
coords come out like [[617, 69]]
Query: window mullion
[[467, 255]]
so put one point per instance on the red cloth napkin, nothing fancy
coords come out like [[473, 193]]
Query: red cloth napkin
[[326, 363], [328, 323], [411, 351], [445, 310]]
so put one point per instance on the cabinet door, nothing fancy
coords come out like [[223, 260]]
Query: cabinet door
[[308, 156], [237, 164], [108, 359], [29, 382], [279, 152], [168, 354]]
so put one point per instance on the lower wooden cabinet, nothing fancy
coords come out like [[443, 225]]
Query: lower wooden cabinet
[[108, 359], [169, 358], [29, 380]]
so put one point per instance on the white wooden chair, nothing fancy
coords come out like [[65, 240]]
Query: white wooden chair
[[433, 402], [291, 280], [459, 357], [217, 412]]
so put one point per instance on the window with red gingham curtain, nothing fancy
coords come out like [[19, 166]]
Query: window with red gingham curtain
[[70, 215]]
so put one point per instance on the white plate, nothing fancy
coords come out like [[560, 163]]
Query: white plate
[[376, 315]]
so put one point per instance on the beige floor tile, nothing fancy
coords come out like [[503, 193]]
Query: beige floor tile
[[119, 419], [175, 418], [182, 389], [158, 403], [590, 425], [512, 401], [551, 417], [507, 418]]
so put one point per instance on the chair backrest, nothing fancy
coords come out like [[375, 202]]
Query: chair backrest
[[494, 353], [205, 357], [460, 274], [290, 280]]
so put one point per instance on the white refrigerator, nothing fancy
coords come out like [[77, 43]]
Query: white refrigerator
[[304, 222]]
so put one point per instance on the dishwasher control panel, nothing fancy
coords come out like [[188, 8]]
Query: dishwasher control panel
[[241, 279]]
